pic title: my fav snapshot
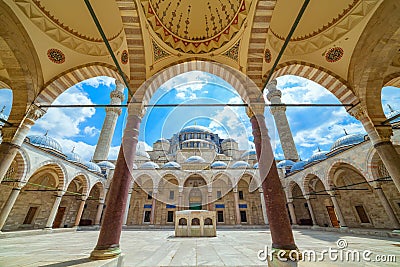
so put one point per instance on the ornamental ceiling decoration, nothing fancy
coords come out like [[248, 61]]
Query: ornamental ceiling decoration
[[63, 34], [334, 54], [321, 37], [158, 52], [233, 52], [196, 26]]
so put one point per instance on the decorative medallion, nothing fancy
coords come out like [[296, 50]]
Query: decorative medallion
[[196, 26], [124, 57], [267, 55], [334, 54], [158, 52], [233, 52], [56, 56]]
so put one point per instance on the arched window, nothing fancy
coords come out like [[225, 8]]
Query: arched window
[[195, 221], [208, 221], [182, 221]]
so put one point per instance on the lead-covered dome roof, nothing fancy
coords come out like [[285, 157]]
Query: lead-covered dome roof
[[219, 165], [92, 166], [240, 164], [149, 165], [73, 157], [162, 140], [248, 153], [195, 159], [106, 165], [45, 141], [298, 166], [348, 140], [228, 140], [171, 165], [318, 156], [285, 163], [195, 129]]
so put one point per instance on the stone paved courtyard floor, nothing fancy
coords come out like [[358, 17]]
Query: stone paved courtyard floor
[[161, 248]]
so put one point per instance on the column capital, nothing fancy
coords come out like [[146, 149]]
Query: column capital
[[358, 111], [117, 94], [114, 109], [385, 133], [277, 109], [136, 109], [255, 109], [34, 113]]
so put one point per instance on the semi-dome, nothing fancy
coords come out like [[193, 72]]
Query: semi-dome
[[228, 140], [248, 153], [255, 166], [92, 166], [73, 157], [240, 164], [298, 166], [219, 165], [106, 165], [149, 165], [285, 163], [318, 156], [195, 159], [45, 141], [171, 165], [195, 129], [142, 153], [348, 140], [162, 140]]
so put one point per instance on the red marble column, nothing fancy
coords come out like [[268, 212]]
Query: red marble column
[[281, 231], [110, 233]]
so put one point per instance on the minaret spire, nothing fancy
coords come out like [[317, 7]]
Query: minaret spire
[[107, 131], [281, 122]]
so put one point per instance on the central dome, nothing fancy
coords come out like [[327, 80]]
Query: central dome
[[195, 129]]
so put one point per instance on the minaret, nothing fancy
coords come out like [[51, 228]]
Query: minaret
[[285, 134], [107, 131]]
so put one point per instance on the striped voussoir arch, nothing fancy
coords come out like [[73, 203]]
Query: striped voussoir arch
[[101, 188], [307, 179], [52, 165], [69, 78], [241, 83], [258, 39], [336, 85], [134, 39], [84, 179], [392, 80]]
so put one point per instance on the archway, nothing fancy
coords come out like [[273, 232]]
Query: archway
[[250, 209], [195, 193], [169, 199], [35, 200], [320, 201], [223, 199], [303, 216], [93, 200], [141, 203], [356, 198]]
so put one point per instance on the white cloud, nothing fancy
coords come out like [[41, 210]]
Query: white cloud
[[97, 81], [65, 122], [91, 131]]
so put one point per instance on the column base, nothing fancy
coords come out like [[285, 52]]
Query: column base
[[284, 258], [105, 254], [396, 231]]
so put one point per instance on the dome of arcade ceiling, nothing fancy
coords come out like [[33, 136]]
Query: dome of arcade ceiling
[[196, 27]]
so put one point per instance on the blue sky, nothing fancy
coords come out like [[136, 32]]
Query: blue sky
[[80, 127]]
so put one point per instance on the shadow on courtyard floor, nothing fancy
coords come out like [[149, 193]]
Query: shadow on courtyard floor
[[68, 263]]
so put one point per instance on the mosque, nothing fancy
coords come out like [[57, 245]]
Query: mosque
[[350, 47]]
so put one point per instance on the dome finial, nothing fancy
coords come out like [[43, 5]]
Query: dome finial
[[46, 133], [2, 110], [390, 108], [319, 150], [345, 132], [73, 148]]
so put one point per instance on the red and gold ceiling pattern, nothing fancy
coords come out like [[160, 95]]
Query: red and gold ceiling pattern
[[196, 26]]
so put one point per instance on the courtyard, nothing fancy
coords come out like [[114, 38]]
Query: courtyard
[[161, 248]]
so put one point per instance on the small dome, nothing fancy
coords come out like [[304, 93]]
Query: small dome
[[240, 164], [195, 129], [106, 165], [134, 166], [318, 156], [219, 165], [392, 114], [285, 163], [195, 159], [3, 116], [73, 157], [162, 140], [171, 165], [348, 140], [255, 166], [142, 153], [45, 141], [227, 140], [248, 153], [92, 166], [149, 165], [297, 166]]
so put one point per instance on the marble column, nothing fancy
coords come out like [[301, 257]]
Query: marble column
[[237, 210], [153, 208], [292, 212], [338, 211], [13, 137], [110, 232], [7, 207], [387, 207], [264, 207], [210, 202], [128, 202], [310, 208], [54, 210], [278, 218], [380, 138], [180, 201], [80, 212], [99, 212]]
